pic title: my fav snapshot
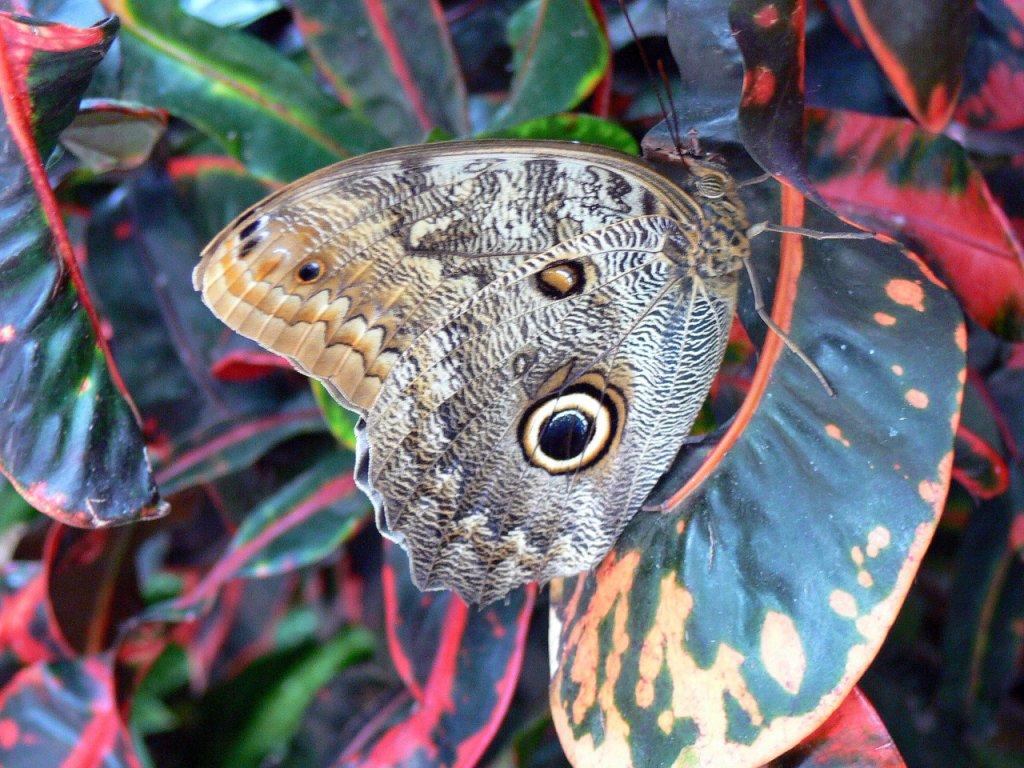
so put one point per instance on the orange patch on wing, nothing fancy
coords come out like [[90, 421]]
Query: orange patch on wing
[[7, 333], [884, 319], [865, 579], [836, 433], [782, 651], [897, 369], [906, 292], [917, 398]]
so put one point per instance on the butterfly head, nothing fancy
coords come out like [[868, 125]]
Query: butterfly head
[[722, 233]]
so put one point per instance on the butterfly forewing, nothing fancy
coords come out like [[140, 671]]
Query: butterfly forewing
[[527, 329]]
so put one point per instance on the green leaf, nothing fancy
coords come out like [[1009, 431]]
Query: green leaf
[[303, 522], [113, 135], [260, 106], [571, 127], [14, 510], [560, 54], [71, 441], [340, 421], [392, 61], [236, 13], [275, 716]]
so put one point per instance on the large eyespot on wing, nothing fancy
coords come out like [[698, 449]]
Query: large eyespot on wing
[[573, 428], [515, 439]]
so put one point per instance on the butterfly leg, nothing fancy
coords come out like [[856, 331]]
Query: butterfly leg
[[754, 180], [814, 234], [755, 286]]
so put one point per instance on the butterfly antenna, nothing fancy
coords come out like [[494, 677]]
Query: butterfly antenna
[[674, 124], [673, 131]]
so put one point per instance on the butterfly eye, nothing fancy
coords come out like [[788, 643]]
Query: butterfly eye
[[571, 430], [309, 271], [711, 186]]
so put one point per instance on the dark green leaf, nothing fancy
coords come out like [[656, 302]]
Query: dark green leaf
[[303, 522], [560, 55], [722, 630], [392, 61], [260, 106], [71, 442]]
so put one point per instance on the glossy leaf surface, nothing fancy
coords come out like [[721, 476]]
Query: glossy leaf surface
[[552, 72], [889, 176], [259, 105], [727, 629], [71, 443], [392, 61], [64, 714], [459, 666]]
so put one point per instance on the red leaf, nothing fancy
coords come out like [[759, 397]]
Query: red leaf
[[853, 737], [921, 46], [64, 715], [244, 365], [460, 666], [888, 175]]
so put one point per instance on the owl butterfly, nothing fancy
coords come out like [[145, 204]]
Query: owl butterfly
[[526, 329]]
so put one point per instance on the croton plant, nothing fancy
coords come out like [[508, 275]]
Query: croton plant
[[204, 586]]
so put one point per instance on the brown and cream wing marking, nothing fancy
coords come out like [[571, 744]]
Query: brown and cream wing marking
[[527, 329]]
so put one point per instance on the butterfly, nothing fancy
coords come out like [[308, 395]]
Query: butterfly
[[526, 329]]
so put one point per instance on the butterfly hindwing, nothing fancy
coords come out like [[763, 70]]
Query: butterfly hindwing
[[527, 330]]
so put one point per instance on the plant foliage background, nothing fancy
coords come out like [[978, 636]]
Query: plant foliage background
[[260, 621]]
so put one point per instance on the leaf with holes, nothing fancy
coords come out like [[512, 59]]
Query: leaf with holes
[[71, 442], [260, 106], [393, 62], [459, 666], [725, 629]]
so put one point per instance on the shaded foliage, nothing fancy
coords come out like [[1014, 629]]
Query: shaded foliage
[[261, 622]]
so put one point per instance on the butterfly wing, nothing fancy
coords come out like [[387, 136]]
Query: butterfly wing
[[520, 327]]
